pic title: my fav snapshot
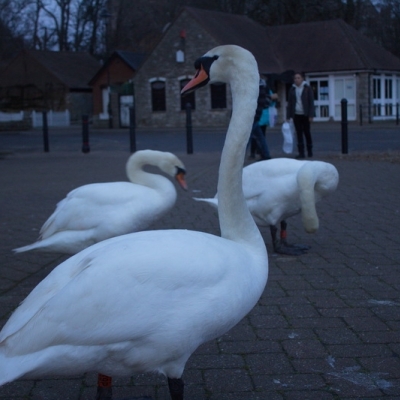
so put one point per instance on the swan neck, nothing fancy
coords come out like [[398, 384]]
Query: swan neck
[[136, 174], [236, 222]]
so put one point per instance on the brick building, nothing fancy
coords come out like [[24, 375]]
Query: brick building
[[113, 89], [339, 62]]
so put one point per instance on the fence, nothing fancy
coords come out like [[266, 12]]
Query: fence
[[54, 118]]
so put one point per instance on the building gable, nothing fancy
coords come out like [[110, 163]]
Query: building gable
[[187, 38]]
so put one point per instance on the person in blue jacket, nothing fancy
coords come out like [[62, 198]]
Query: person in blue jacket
[[257, 137]]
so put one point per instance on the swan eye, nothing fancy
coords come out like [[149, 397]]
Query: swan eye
[[205, 62], [180, 177], [180, 170], [202, 76]]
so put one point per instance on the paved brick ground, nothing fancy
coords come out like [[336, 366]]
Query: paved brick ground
[[327, 326]]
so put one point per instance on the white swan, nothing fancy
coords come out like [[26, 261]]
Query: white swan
[[145, 301], [98, 211], [282, 187]]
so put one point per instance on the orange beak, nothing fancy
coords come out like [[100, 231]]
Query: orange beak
[[200, 79], [180, 177]]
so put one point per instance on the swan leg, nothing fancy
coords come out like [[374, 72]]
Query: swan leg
[[176, 387], [281, 246], [104, 387]]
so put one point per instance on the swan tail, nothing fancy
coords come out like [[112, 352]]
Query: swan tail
[[12, 368], [306, 179], [212, 201], [28, 247]]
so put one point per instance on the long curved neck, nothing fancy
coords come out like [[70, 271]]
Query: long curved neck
[[136, 174], [316, 179], [236, 222]]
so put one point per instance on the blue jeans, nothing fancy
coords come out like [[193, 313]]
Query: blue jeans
[[258, 135]]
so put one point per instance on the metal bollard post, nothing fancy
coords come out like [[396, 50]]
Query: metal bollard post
[[397, 113], [344, 126], [189, 133], [45, 132], [361, 115], [132, 128], [85, 134]]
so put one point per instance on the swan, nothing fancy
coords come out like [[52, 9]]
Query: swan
[[98, 211], [145, 301], [282, 187]]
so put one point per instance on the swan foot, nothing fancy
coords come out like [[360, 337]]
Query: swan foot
[[104, 387], [176, 387], [281, 246]]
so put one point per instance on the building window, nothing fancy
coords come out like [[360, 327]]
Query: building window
[[188, 98], [384, 97], [218, 95], [180, 56], [320, 88], [158, 95]]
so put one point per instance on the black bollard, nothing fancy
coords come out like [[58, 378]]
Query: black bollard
[[361, 115], [189, 133], [344, 127], [132, 128], [45, 132], [85, 134], [397, 113]]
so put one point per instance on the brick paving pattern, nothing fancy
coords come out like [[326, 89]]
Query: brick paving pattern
[[328, 324]]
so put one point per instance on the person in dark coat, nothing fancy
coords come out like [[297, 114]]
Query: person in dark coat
[[301, 109]]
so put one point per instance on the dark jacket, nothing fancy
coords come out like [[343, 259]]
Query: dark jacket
[[307, 98], [263, 101]]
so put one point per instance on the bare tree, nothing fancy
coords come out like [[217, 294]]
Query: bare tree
[[79, 25], [388, 27], [12, 26], [59, 13], [87, 34]]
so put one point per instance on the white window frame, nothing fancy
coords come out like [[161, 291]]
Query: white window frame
[[321, 103], [385, 96]]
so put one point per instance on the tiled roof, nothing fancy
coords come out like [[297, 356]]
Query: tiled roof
[[311, 47], [132, 59], [328, 46], [240, 30], [73, 69]]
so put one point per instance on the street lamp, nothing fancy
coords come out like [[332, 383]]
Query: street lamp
[[106, 16]]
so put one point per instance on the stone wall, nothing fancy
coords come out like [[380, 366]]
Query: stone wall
[[364, 95], [162, 64]]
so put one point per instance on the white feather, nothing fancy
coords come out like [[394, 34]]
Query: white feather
[[98, 211], [145, 301], [282, 187]]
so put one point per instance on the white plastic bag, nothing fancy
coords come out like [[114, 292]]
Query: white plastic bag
[[287, 132]]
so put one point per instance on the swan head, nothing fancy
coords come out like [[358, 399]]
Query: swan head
[[218, 65], [169, 163], [173, 166]]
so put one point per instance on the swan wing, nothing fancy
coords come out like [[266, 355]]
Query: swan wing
[[121, 289], [86, 206]]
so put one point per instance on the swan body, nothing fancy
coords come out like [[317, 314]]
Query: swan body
[[139, 316], [145, 301], [283, 187], [98, 211]]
